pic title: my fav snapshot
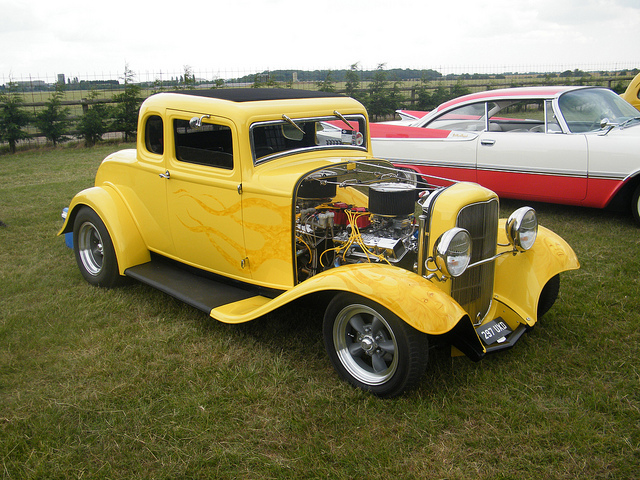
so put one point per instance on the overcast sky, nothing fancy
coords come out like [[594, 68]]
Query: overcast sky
[[86, 38]]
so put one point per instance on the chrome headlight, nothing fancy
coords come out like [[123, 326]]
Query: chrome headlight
[[452, 252], [522, 228]]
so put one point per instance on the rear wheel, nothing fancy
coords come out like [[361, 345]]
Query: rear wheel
[[94, 250], [371, 348]]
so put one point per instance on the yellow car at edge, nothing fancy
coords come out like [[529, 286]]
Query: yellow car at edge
[[632, 93]]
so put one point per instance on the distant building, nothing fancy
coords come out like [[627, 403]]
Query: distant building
[[32, 85]]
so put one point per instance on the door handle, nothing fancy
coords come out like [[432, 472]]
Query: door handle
[[487, 142], [166, 175]]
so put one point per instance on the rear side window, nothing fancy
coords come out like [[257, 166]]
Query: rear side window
[[210, 144], [153, 135], [468, 117]]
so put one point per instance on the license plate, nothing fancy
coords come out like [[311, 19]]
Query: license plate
[[494, 331]]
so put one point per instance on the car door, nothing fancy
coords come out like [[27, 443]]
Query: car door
[[526, 155], [204, 194], [145, 188], [446, 157]]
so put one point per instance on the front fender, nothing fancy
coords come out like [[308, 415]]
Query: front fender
[[411, 297], [520, 278], [128, 244]]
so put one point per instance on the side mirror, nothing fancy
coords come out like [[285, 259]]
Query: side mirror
[[608, 124]]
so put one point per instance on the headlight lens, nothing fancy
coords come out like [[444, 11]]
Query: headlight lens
[[522, 228], [452, 252]]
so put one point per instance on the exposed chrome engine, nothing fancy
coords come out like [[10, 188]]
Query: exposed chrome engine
[[330, 233]]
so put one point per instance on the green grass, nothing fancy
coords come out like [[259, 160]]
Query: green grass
[[129, 383]]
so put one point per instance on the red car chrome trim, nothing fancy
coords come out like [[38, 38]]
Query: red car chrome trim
[[399, 131], [600, 190]]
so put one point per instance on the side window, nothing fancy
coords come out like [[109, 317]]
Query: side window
[[467, 118], [153, 135], [209, 144], [518, 116]]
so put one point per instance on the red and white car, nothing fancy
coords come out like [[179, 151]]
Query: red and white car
[[568, 145]]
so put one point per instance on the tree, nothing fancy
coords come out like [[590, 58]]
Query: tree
[[158, 85], [263, 80], [439, 96], [93, 123], [12, 117], [126, 110], [426, 99], [189, 78], [382, 100], [53, 122], [327, 85], [353, 82], [459, 89]]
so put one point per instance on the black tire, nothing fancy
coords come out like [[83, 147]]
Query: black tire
[[635, 204], [548, 295], [94, 250], [371, 348]]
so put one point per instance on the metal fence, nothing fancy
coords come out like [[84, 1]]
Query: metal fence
[[498, 75], [36, 89]]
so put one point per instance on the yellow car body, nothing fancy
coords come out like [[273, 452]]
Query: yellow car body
[[632, 93], [239, 202]]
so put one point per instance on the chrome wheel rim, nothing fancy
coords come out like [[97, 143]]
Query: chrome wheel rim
[[90, 248], [365, 344]]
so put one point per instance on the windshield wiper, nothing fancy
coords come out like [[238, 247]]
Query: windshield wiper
[[341, 117], [628, 121], [293, 123]]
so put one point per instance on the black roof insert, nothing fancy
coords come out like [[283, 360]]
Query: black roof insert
[[257, 94]]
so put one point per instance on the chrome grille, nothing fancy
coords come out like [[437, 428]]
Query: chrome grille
[[473, 290]]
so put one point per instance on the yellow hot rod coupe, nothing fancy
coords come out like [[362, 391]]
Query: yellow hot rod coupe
[[238, 201]]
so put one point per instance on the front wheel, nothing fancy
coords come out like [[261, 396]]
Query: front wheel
[[635, 204], [371, 348], [549, 295], [94, 250]]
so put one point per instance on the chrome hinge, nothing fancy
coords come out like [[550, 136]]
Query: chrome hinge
[[240, 188], [244, 262]]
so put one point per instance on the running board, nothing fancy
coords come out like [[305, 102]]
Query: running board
[[202, 293]]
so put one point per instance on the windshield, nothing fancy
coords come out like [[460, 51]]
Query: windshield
[[584, 110], [281, 137]]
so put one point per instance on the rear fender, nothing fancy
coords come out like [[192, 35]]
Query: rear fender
[[128, 244]]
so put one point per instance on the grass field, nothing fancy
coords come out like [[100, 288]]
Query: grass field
[[129, 383]]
